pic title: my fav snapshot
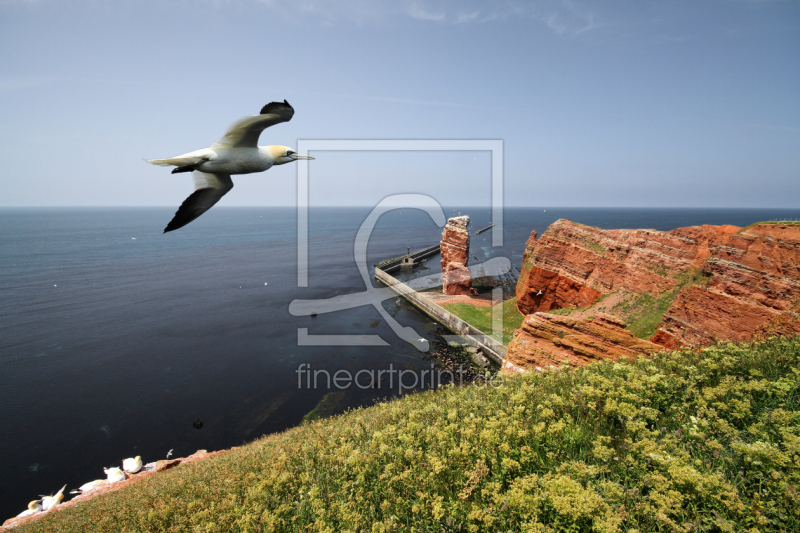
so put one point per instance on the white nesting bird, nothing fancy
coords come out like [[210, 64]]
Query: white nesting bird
[[86, 487], [114, 474], [34, 507], [48, 502], [131, 465], [236, 152]]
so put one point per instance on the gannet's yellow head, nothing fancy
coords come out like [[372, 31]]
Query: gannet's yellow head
[[35, 505], [283, 154]]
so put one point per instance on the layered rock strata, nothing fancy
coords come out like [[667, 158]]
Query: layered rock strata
[[547, 341], [456, 278], [754, 286], [750, 288], [572, 265]]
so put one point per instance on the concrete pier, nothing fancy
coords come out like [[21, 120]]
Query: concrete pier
[[390, 266], [472, 335]]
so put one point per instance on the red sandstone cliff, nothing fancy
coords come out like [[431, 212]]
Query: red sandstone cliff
[[754, 286], [456, 278], [751, 287], [547, 340], [572, 264]]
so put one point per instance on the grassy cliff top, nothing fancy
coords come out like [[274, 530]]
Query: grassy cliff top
[[685, 441], [771, 222]]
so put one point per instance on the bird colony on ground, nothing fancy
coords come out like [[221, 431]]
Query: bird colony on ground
[[130, 465]]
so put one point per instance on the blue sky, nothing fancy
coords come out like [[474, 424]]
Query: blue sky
[[606, 103]]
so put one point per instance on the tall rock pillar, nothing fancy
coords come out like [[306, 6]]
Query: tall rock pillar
[[456, 278]]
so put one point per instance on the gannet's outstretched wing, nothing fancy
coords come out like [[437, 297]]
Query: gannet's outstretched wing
[[244, 132], [209, 188]]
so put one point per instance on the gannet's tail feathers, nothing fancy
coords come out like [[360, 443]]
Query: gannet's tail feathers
[[209, 188], [181, 163], [184, 160], [164, 162]]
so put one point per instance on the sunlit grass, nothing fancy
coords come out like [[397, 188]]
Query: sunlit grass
[[684, 441], [481, 318]]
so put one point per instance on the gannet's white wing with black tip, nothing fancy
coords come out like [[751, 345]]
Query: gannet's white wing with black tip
[[209, 188], [244, 132]]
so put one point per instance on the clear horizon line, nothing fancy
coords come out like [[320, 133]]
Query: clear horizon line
[[486, 206]]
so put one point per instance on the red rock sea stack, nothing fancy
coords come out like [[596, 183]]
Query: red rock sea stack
[[456, 278]]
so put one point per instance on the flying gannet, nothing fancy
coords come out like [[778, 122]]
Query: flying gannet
[[236, 152], [33, 508], [132, 465], [48, 502]]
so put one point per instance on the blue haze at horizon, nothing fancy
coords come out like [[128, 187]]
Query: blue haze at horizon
[[140, 337]]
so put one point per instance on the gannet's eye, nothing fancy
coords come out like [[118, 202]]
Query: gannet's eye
[[289, 152]]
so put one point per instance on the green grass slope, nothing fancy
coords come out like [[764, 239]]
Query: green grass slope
[[685, 441], [481, 317]]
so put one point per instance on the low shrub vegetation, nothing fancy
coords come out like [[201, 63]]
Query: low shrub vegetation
[[684, 441]]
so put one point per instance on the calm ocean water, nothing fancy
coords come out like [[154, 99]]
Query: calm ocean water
[[114, 338]]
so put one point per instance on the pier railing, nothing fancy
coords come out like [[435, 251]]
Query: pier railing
[[472, 335]]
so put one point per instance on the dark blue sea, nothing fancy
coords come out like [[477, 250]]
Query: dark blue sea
[[115, 338]]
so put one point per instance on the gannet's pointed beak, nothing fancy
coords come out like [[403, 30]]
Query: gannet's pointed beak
[[297, 156]]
